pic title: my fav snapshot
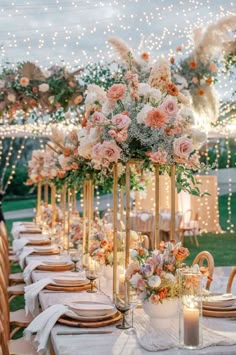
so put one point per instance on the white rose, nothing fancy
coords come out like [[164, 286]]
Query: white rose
[[43, 87], [143, 113], [144, 89], [133, 254], [155, 94], [134, 279], [11, 97], [186, 114], [154, 281]]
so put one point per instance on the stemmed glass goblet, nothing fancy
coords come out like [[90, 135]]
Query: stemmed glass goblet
[[91, 275], [122, 303]]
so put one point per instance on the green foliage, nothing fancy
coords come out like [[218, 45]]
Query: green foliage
[[103, 74]]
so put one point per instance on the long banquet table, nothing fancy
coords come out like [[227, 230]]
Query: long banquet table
[[118, 343]]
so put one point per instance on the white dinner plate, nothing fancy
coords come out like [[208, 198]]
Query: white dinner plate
[[70, 281], [219, 300], [91, 309], [45, 248], [57, 263], [73, 315]]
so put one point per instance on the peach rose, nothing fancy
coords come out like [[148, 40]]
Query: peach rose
[[99, 118], [195, 80], [24, 81], [110, 151], [121, 121], [116, 92], [183, 146], [182, 254], [213, 67], [170, 106], [155, 118], [160, 156]]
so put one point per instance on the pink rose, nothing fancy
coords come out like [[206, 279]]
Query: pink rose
[[122, 136], [112, 133], [170, 106], [121, 121], [195, 80], [155, 298], [160, 156], [97, 151], [141, 285], [183, 146], [116, 92], [110, 151], [99, 118]]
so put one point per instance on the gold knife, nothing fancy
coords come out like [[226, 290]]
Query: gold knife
[[79, 332]]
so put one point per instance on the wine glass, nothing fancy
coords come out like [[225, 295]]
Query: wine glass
[[122, 303], [133, 299], [75, 257], [91, 275]]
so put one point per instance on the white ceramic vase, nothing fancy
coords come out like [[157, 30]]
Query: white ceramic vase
[[162, 314], [108, 272]]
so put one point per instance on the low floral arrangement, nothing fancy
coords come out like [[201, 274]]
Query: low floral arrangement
[[153, 274], [76, 230], [46, 214], [101, 248]]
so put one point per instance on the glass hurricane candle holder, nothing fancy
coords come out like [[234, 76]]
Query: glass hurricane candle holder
[[190, 316]]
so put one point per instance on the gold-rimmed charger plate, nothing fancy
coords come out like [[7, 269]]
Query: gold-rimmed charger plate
[[39, 242], [219, 314], [56, 268], [87, 324], [50, 252], [73, 288]]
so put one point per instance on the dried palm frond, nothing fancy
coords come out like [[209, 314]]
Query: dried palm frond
[[31, 71], [123, 50]]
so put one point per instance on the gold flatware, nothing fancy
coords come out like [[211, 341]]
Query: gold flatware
[[79, 332]]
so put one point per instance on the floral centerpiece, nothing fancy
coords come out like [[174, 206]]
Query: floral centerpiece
[[46, 214], [153, 274], [101, 248], [76, 230], [143, 120]]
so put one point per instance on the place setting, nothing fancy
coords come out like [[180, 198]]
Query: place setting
[[220, 305]]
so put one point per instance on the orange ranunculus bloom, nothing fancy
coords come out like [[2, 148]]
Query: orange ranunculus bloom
[[172, 89], [201, 92], [61, 174], [192, 64], [67, 152], [172, 60], [145, 56], [209, 81]]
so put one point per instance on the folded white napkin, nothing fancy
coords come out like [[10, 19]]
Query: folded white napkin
[[19, 244], [31, 293], [16, 229], [43, 324], [28, 270], [25, 252]]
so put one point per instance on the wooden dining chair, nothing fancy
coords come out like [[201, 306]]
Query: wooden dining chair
[[18, 318], [230, 280], [8, 346], [200, 259], [4, 260], [190, 227]]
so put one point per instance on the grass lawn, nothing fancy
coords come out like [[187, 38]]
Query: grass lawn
[[18, 205]]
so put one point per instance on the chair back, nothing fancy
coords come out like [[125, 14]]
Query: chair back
[[4, 350], [209, 270], [230, 280]]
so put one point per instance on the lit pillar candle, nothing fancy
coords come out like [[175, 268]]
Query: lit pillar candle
[[191, 325], [122, 283]]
